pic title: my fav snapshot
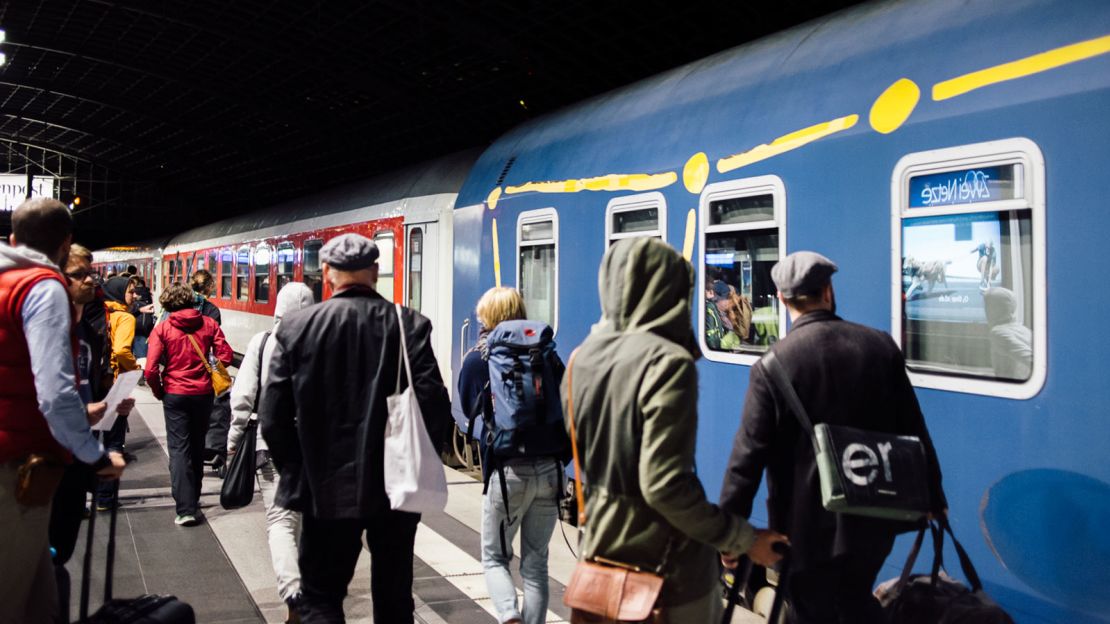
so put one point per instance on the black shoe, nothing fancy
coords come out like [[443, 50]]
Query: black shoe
[[293, 603]]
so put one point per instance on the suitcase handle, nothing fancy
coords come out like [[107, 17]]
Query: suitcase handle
[[86, 566]]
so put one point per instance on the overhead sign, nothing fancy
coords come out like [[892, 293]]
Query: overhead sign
[[965, 186], [13, 189]]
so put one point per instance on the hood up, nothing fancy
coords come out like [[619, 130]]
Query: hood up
[[23, 257], [187, 320], [1000, 306], [647, 286], [292, 297]]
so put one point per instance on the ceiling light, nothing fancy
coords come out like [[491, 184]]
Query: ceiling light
[[3, 58], [3, 36]]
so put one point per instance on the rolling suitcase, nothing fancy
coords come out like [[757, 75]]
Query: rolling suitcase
[[146, 609]]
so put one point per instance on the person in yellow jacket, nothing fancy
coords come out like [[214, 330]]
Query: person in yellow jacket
[[121, 333]]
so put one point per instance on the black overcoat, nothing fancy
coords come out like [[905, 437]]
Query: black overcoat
[[844, 374], [323, 408]]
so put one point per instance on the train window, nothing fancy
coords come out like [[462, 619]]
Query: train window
[[968, 268], [198, 262], [742, 237], [286, 256], [181, 270], [384, 241], [416, 266], [537, 269], [262, 274], [637, 215], [212, 266], [313, 273], [225, 273], [243, 273], [173, 272], [188, 268]]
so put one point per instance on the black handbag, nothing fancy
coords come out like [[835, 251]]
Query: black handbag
[[865, 473], [238, 487], [937, 598]]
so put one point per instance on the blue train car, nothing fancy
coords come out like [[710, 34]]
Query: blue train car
[[949, 155]]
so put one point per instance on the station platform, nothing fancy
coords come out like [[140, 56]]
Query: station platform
[[222, 567]]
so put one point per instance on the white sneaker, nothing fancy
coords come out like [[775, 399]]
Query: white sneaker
[[187, 520]]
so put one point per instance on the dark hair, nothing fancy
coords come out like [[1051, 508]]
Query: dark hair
[[132, 269], [42, 223], [201, 281], [136, 282], [176, 297]]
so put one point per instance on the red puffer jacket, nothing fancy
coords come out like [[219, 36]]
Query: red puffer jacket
[[181, 370]]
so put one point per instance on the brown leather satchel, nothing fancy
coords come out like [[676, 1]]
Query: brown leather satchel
[[604, 591], [37, 479]]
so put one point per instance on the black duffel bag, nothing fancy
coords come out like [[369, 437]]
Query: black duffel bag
[[937, 598], [238, 487]]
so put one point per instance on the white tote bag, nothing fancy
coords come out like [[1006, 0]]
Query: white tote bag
[[414, 478]]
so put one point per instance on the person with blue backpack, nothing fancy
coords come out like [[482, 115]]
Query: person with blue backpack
[[510, 381]]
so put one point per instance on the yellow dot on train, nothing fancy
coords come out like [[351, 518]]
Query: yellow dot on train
[[893, 107], [696, 172], [491, 199]]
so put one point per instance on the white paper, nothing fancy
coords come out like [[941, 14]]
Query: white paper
[[121, 389]]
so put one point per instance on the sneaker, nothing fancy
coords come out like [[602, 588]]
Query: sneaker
[[187, 520], [105, 505]]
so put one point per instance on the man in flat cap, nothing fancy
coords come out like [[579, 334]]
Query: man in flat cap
[[845, 374], [323, 415]]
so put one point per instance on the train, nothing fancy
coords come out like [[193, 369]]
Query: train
[[945, 154]]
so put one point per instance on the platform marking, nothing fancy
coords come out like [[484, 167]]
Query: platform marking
[[786, 143], [688, 242], [496, 257], [458, 568], [1022, 67], [610, 182]]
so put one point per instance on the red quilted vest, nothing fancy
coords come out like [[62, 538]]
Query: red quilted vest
[[23, 428]]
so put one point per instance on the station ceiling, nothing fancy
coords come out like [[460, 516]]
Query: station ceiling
[[166, 115]]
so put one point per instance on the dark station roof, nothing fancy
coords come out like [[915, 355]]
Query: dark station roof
[[167, 115]]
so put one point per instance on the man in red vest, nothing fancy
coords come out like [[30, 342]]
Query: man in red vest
[[41, 412]]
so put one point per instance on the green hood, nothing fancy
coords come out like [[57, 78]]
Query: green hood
[[645, 285]]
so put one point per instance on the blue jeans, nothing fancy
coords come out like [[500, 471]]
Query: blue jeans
[[533, 488]]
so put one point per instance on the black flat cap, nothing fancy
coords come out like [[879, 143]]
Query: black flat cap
[[349, 252], [802, 273]]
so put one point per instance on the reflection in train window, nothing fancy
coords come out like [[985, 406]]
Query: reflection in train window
[[225, 274], [968, 268], [416, 266], [173, 272], [262, 274], [739, 312], [537, 264], [384, 241], [212, 267], [286, 256], [313, 273], [243, 274], [636, 215]]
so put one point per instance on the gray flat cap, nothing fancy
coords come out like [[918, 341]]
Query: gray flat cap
[[349, 252], [802, 273]]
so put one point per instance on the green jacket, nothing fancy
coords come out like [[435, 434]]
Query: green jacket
[[635, 409]]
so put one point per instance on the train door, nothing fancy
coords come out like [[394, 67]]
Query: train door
[[427, 278]]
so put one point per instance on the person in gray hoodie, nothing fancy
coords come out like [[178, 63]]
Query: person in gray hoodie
[[282, 525]]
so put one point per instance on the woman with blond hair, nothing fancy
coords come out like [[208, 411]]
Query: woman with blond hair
[[531, 486]]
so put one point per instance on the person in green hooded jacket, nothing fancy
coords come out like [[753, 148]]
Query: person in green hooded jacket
[[635, 416]]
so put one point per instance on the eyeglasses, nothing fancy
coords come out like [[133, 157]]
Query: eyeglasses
[[79, 276]]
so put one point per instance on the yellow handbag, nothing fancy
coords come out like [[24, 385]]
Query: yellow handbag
[[221, 379]]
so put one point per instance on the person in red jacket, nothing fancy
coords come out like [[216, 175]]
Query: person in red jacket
[[178, 376]]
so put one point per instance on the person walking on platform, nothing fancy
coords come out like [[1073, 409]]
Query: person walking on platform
[[323, 416], [283, 526], [179, 377], [121, 334], [844, 374], [634, 387], [528, 497], [43, 423]]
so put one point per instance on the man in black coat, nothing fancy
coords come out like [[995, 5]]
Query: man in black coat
[[323, 414], [844, 374]]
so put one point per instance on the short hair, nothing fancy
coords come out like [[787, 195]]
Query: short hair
[[201, 281], [805, 302], [176, 297], [42, 223], [79, 251], [498, 304], [136, 282], [132, 269]]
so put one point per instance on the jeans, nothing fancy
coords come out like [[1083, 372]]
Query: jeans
[[283, 528], [186, 425], [28, 592], [533, 491], [329, 552]]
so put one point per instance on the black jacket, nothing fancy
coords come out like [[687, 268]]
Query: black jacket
[[844, 374], [323, 407], [94, 325]]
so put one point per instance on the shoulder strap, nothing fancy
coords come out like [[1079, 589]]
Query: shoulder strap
[[261, 363], [203, 360], [404, 350], [779, 380], [574, 443]]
